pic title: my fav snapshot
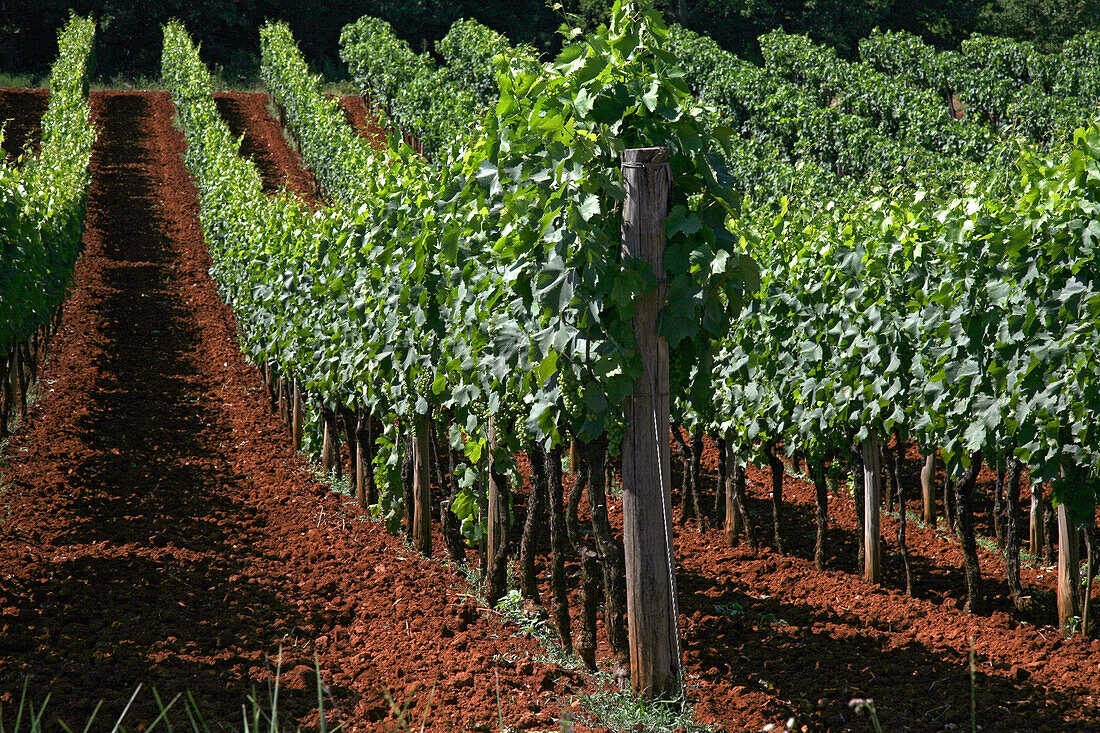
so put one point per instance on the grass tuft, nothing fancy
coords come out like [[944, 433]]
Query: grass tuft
[[257, 716]]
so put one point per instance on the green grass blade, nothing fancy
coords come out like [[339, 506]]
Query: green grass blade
[[274, 727], [156, 696], [37, 720], [163, 711], [92, 717], [118, 723], [22, 704], [198, 725]]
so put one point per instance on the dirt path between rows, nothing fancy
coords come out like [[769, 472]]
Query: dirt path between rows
[[263, 143], [21, 112], [157, 528]]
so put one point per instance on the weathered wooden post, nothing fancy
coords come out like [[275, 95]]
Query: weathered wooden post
[[269, 382], [364, 463], [872, 470], [21, 380], [734, 521], [1069, 569], [284, 404], [928, 488], [1036, 534], [654, 633], [328, 445], [296, 408], [6, 396], [422, 490]]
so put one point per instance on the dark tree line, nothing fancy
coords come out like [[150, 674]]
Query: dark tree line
[[129, 37], [128, 40]]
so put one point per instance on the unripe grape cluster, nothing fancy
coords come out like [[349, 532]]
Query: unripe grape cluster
[[679, 367], [570, 394], [512, 415], [616, 431], [423, 384]]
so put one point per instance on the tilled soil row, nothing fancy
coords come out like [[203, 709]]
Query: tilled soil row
[[21, 113], [156, 526], [359, 117], [263, 143]]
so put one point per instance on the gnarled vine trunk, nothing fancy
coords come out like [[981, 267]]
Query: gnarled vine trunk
[[858, 502], [950, 512], [1011, 550], [590, 568], [737, 514], [407, 484], [330, 447], [999, 503], [696, 478], [533, 526], [347, 423], [903, 548], [559, 541], [1050, 531], [816, 467], [775, 466], [366, 430], [448, 490], [687, 488], [719, 509], [964, 504], [609, 550]]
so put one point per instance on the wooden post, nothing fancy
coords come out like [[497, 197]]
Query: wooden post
[[483, 510], [422, 490], [1069, 568], [296, 416], [653, 623], [1036, 534], [284, 413], [19, 380], [265, 374], [928, 488], [364, 464], [6, 398], [326, 447], [574, 460], [330, 445], [872, 470], [734, 521], [498, 511]]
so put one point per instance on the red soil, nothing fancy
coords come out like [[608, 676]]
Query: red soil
[[355, 109], [770, 637], [263, 142], [21, 113], [158, 528]]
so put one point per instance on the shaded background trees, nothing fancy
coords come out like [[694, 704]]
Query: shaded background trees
[[128, 43], [129, 37]]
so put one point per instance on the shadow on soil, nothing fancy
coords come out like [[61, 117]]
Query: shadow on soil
[[817, 660], [167, 598]]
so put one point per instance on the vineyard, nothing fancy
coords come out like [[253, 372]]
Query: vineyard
[[649, 387]]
